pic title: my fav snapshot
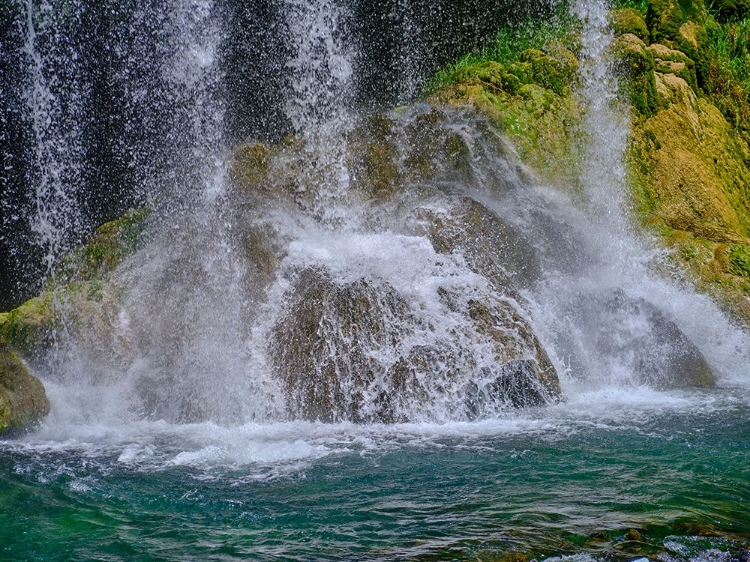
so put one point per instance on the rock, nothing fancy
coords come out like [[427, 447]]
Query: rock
[[671, 61], [635, 339], [492, 247], [555, 70], [28, 327], [666, 17], [637, 68], [682, 25], [358, 351], [23, 401], [629, 21]]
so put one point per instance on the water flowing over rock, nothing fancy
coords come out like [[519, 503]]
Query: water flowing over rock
[[362, 352], [632, 337], [385, 266]]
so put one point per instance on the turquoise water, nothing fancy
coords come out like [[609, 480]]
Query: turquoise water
[[572, 479]]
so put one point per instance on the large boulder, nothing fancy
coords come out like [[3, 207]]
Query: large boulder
[[492, 247], [632, 339], [23, 401], [359, 351]]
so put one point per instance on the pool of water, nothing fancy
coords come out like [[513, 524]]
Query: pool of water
[[608, 475]]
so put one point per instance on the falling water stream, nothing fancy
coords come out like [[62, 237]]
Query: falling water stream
[[179, 431]]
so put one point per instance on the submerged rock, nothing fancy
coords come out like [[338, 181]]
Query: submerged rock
[[359, 351], [23, 400]]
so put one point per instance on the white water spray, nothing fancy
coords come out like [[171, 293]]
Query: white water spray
[[322, 85], [200, 312], [56, 217], [605, 124]]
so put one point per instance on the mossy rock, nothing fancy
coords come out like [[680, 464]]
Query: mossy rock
[[107, 247], [665, 17], [542, 125], [690, 173], [374, 157], [682, 25], [636, 66], [80, 294], [629, 20], [556, 73], [250, 165], [28, 328], [23, 401], [672, 61]]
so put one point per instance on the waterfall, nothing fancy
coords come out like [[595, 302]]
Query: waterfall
[[604, 124], [53, 108], [602, 303], [399, 266]]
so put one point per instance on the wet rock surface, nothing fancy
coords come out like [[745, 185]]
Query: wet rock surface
[[360, 352], [632, 337], [23, 401]]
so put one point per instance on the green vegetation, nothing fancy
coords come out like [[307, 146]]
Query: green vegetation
[[508, 47], [523, 81], [23, 401], [728, 51], [82, 279], [685, 72], [640, 5]]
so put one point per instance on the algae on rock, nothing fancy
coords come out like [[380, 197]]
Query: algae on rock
[[23, 401], [80, 294]]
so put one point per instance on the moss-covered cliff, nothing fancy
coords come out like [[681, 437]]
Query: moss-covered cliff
[[684, 71]]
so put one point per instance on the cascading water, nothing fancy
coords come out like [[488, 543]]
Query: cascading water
[[604, 305], [53, 113], [212, 302], [497, 363]]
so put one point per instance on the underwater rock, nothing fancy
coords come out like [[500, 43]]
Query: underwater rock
[[638, 340], [358, 351], [23, 400]]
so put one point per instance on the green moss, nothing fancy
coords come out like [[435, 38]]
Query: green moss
[[27, 327], [629, 20], [666, 17], [111, 243], [636, 68], [739, 258], [250, 163], [22, 397], [507, 49]]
